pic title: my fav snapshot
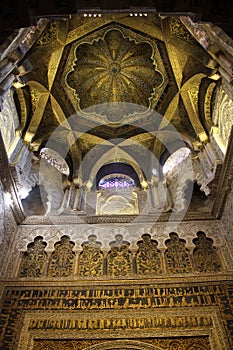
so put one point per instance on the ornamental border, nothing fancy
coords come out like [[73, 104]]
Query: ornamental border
[[164, 323]]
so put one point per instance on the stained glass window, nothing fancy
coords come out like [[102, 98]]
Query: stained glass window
[[116, 181]]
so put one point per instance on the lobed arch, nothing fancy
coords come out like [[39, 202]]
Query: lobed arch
[[123, 345], [117, 168], [113, 155]]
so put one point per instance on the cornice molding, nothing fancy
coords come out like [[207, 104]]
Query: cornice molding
[[89, 219], [132, 282]]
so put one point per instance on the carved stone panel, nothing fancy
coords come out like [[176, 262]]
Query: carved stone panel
[[62, 259], [79, 312], [34, 260], [222, 117], [205, 255], [177, 255], [91, 258], [179, 343], [119, 259], [148, 257]]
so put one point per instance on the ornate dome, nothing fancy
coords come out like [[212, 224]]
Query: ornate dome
[[114, 68]]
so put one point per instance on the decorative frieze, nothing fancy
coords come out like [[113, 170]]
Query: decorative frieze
[[120, 260], [120, 323], [194, 342], [52, 312]]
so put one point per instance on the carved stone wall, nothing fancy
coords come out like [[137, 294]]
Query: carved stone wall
[[8, 229], [93, 282], [2, 212], [105, 229], [9, 122], [179, 343], [47, 252], [93, 248], [222, 118], [227, 218], [32, 316]]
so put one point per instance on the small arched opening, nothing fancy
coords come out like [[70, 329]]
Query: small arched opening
[[117, 186]]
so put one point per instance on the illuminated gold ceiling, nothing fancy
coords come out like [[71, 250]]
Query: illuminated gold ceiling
[[115, 68], [151, 64]]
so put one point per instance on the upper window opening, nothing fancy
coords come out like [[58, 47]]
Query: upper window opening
[[116, 181], [117, 176]]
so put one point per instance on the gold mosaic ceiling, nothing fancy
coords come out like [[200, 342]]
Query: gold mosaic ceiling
[[149, 63], [115, 68]]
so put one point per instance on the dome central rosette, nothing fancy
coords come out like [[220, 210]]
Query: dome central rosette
[[114, 68]]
